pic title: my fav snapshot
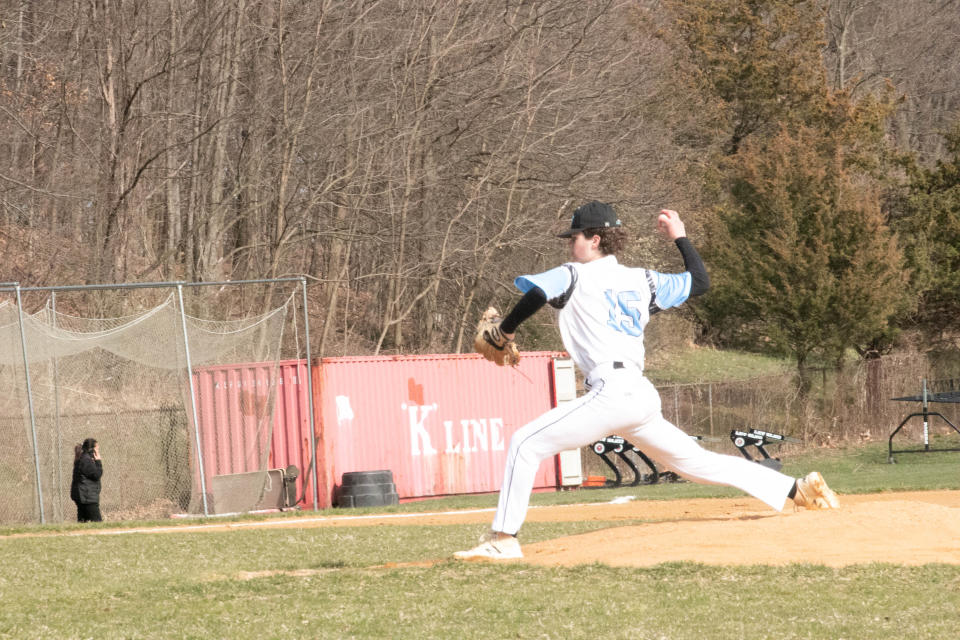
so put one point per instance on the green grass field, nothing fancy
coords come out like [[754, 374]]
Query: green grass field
[[333, 582], [713, 365]]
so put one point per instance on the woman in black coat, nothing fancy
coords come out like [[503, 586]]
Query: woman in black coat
[[85, 487]]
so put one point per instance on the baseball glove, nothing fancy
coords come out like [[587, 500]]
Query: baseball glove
[[491, 343]]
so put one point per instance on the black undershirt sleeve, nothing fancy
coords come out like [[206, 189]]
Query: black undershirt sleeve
[[693, 264], [528, 305]]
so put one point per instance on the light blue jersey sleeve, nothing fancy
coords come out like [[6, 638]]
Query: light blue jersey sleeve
[[672, 289], [553, 283]]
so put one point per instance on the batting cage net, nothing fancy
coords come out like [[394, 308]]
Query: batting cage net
[[148, 386]]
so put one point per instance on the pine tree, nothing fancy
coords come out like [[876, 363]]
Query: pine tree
[[804, 248], [930, 227], [801, 256]]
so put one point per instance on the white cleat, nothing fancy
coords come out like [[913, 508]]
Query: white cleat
[[813, 493], [493, 546]]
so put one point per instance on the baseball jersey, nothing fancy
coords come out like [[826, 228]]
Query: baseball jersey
[[604, 306]]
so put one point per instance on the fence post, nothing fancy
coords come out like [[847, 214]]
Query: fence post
[[710, 404], [193, 400], [676, 404], [313, 433], [33, 422], [56, 415]]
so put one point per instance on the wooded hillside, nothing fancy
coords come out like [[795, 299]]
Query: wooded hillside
[[411, 158]]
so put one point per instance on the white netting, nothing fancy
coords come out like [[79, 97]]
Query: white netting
[[124, 381], [51, 335]]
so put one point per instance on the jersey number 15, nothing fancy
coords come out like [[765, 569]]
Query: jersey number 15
[[625, 311]]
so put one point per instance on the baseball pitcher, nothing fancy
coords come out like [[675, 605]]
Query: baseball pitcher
[[603, 308]]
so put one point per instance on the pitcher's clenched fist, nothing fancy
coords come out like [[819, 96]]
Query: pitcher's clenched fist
[[670, 224]]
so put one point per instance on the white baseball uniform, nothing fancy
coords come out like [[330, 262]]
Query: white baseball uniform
[[603, 310]]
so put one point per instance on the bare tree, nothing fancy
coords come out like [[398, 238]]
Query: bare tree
[[912, 46], [410, 157]]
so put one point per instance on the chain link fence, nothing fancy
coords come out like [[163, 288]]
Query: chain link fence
[[855, 404]]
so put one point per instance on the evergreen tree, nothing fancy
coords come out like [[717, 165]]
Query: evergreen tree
[[803, 259], [801, 256], [929, 223]]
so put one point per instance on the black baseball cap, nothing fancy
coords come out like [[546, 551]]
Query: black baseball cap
[[593, 215]]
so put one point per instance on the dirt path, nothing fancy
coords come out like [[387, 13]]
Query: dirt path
[[902, 528]]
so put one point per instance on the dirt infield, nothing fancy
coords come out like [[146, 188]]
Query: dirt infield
[[910, 529], [903, 528]]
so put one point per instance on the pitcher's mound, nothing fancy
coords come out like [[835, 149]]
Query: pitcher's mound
[[897, 528]]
